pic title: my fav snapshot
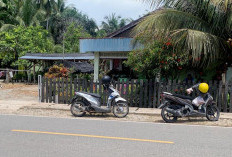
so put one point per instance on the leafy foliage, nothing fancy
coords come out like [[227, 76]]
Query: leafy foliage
[[156, 58], [75, 16], [72, 36], [21, 40], [200, 28]]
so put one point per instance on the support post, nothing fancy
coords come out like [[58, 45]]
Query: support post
[[111, 64], [120, 65], [96, 66]]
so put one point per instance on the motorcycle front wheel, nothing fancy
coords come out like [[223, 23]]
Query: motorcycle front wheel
[[76, 109], [212, 113], [120, 109], [168, 117]]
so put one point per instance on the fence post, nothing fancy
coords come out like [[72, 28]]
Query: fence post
[[66, 96], [71, 90], [230, 89], [137, 93], [43, 85], [58, 90], [145, 105], [50, 90], [225, 97], [127, 90], [220, 96], [141, 94], [46, 90], [154, 94], [150, 94], [132, 94], [54, 90], [40, 88], [159, 90]]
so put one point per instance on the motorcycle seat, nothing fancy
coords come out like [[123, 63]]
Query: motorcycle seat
[[93, 94], [183, 97]]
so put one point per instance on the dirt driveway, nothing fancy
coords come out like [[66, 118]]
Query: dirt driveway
[[22, 99], [19, 92], [15, 96]]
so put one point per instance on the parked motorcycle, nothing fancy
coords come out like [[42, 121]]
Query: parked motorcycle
[[175, 106], [89, 102]]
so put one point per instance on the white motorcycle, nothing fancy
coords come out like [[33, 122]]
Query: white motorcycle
[[89, 102]]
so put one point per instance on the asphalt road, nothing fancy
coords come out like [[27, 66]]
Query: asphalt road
[[22, 136]]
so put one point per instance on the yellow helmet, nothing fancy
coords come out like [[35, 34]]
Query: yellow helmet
[[203, 87]]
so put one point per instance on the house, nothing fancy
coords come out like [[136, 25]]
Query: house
[[114, 47]]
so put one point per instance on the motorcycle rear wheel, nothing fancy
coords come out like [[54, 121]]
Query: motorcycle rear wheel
[[120, 109], [211, 111], [76, 109], [168, 117]]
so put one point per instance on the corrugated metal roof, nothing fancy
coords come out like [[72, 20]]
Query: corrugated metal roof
[[58, 56], [107, 45]]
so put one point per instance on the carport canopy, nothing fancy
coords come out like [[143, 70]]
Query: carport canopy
[[58, 56]]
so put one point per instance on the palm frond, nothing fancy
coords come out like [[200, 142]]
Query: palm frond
[[161, 22], [20, 21], [212, 11], [203, 47], [220, 4], [2, 4], [6, 27], [38, 16]]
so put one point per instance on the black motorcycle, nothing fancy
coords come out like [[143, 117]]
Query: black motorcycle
[[175, 106]]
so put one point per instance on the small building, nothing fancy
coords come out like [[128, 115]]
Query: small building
[[114, 47], [49, 59]]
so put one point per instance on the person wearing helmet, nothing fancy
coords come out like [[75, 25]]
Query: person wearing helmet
[[202, 90]]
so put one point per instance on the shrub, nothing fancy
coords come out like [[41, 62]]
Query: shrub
[[57, 71]]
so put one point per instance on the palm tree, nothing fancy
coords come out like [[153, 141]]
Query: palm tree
[[52, 8], [22, 12], [113, 23], [7, 9], [198, 27], [29, 15]]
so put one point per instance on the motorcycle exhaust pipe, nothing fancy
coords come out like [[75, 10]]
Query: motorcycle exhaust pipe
[[174, 112]]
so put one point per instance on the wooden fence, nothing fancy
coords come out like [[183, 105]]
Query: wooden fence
[[138, 93]]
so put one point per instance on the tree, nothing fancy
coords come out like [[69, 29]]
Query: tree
[[59, 24], [197, 27], [73, 15], [71, 38], [113, 23], [21, 40]]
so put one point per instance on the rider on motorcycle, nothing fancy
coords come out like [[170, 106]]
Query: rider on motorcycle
[[202, 89]]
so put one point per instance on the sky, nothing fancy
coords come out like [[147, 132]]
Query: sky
[[98, 9]]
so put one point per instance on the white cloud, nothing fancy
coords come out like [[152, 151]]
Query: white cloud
[[98, 9]]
